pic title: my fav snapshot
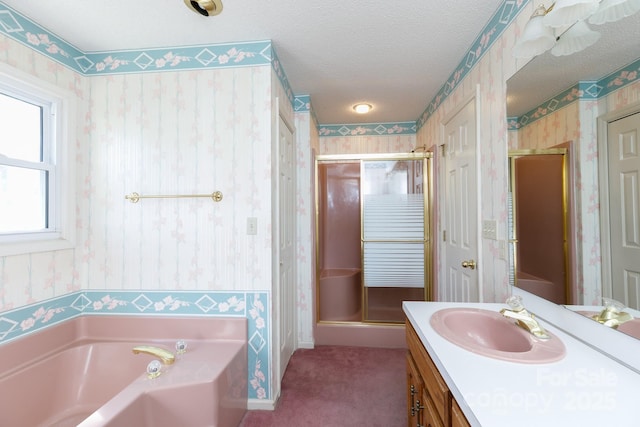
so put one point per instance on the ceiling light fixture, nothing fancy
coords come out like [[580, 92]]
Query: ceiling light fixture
[[536, 37], [614, 10], [562, 26], [205, 7], [362, 108], [575, 39], [567, 12]]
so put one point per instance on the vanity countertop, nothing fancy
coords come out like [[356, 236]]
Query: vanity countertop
[[586, 388]]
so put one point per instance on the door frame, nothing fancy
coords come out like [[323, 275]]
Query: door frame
[[603, 183], [427, 159], [277, 291], [441, 162], [566, 151]]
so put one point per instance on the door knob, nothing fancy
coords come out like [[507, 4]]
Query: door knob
[[469, 264]]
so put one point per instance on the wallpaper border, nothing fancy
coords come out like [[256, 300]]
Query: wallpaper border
[[503, 16], [368, 129], [242, 54], [257, 53], [583, 90], [31, 34], [253, 305]]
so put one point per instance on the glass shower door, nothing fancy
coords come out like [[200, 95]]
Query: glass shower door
[[393, 236]]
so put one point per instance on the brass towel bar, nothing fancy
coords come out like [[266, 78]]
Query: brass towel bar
[[216, 196]]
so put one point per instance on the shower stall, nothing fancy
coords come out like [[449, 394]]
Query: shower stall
[[373, 245]]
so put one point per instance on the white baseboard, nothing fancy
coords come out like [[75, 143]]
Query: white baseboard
[[306, 344], [261, 405]]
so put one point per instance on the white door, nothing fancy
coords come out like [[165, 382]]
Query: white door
[[286, 243], [461, 208], [624, 208]]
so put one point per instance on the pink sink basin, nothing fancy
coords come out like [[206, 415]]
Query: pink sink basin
[[490, 334], [631, 327]]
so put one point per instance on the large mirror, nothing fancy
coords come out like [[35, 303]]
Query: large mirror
[[529, 93]]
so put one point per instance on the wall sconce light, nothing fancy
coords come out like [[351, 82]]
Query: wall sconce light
[[362, 108], [562, 27], [205, 7]]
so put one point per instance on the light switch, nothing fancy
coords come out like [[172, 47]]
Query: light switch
[[252, 226]]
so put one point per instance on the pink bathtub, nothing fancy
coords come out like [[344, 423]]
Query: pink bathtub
[[83, 373], [340, 294], [538, 286]]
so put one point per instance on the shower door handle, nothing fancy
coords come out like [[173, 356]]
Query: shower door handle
[[469, 264]]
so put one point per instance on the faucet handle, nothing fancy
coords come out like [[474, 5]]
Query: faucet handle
[[154, 369], [612, 314], [181, 346], [612, 304], [515, 302]]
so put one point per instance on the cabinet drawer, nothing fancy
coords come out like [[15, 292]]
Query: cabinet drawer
[[434, 383]]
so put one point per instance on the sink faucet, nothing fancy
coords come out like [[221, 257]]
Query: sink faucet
[[164, 355], [523, 318], [612, 314]]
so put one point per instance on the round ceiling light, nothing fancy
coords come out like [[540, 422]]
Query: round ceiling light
[[362, 108], [205, 7]]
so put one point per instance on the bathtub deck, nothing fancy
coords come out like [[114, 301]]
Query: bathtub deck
[[82, 372]]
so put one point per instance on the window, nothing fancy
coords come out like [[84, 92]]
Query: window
[[37, 170]]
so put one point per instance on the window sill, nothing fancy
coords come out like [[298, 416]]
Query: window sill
[[34, 246]]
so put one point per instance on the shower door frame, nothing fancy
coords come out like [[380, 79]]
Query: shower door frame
[[427, 181]]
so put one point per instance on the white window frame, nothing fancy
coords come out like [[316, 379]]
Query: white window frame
[[59, 136]]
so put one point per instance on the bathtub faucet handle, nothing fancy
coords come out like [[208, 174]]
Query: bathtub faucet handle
[[154, 369], [181, 346]]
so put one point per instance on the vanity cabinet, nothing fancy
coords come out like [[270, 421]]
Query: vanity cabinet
[[457, 417], [429, 401]]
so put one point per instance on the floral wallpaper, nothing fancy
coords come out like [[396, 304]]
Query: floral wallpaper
[[188, 132], [367, 144], [307, 147]]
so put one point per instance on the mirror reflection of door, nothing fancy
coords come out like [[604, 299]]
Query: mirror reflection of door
[[624, 208], [538, 183]]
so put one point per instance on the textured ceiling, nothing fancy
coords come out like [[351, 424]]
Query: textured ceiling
[[547, 75], [395, 55]]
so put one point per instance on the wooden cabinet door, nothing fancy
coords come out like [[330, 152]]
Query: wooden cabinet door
[[430, 416], [414, 392], [457, 417]]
